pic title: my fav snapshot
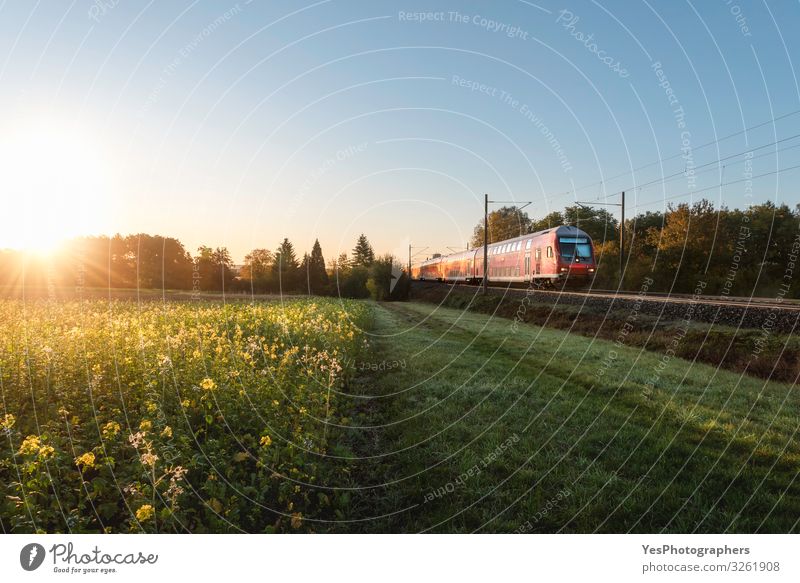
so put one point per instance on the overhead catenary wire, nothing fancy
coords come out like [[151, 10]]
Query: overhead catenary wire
[[666, 159], [691, 192], [716, 162], [679, 154]]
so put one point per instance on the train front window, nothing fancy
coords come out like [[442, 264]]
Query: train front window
[[574, 248]]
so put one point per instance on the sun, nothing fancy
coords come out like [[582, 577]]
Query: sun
[[54, 184]]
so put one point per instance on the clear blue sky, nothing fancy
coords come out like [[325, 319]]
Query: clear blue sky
[[238, 124]]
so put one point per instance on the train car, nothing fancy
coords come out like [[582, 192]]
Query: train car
[[430, 269], [561, 254]]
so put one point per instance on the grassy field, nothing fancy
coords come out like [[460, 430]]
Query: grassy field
[[481, 427], [321, 415]]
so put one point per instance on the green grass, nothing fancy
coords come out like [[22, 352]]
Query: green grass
[[703, 450]]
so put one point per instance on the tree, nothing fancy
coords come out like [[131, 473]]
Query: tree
[[286, 267], [314, 270], [363, 255], [257, 267], [553, 219], [598, 223], [214, 268], [504, 223], [387, 280]]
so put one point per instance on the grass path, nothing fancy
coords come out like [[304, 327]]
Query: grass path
[[475, 426]]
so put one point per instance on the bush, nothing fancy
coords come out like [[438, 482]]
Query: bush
[[354, 284], [387, 280]]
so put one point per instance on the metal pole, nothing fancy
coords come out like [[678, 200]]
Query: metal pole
[[409, 261], [485, 243], [622, 241]]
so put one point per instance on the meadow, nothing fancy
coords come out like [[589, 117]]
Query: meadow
[[491, 427], [172, 417], [325, 415]]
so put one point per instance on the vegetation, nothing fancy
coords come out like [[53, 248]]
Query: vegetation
[[488, 428], [736, 252], [153, 262], [274, 417], [766, 354], [174, 416]]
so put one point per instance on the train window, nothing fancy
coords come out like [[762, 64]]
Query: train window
[[538, 253], [549, 251], [577, 247], [519, 244], [528, 243]]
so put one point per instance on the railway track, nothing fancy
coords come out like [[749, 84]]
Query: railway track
[[727, 301], [766, 313]]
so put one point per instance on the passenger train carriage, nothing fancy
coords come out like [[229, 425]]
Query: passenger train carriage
[[560, 254]]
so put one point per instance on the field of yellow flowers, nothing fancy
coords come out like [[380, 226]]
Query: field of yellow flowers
[[173, 417]]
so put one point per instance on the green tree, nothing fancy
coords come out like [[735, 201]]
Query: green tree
[[553, 219], [599, 223], [504, 223], [214, 268], [387, 280], [286, 268], [363, 254], [314, 270], [258, 265]]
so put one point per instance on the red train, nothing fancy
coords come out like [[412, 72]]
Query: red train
[[561, 254]]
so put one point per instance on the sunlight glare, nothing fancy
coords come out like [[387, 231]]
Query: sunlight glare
[[54, 180]]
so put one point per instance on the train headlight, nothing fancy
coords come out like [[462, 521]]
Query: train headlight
[[563, 269], [591, 270]]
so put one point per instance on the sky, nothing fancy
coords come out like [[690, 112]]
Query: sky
[[240, 123]]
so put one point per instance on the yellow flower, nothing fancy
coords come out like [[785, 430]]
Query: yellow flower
[[7, 422], [86, 460], [196, 354], [149, 459], [146, 425], [110, 429], [208, 384], [185, 403], [297, 520], [266, 441], [30, 445], [145, 512], [46, 451], [151, 407], [167, 432]]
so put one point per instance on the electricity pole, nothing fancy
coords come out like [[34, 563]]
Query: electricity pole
[[485, 243], [486, 202], [419, 250], [620, 204], [622, 239]]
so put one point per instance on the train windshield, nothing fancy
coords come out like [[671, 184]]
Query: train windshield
[[576, 248]]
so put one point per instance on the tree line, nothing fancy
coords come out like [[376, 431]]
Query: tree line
[[735, 252], [155, 262]]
